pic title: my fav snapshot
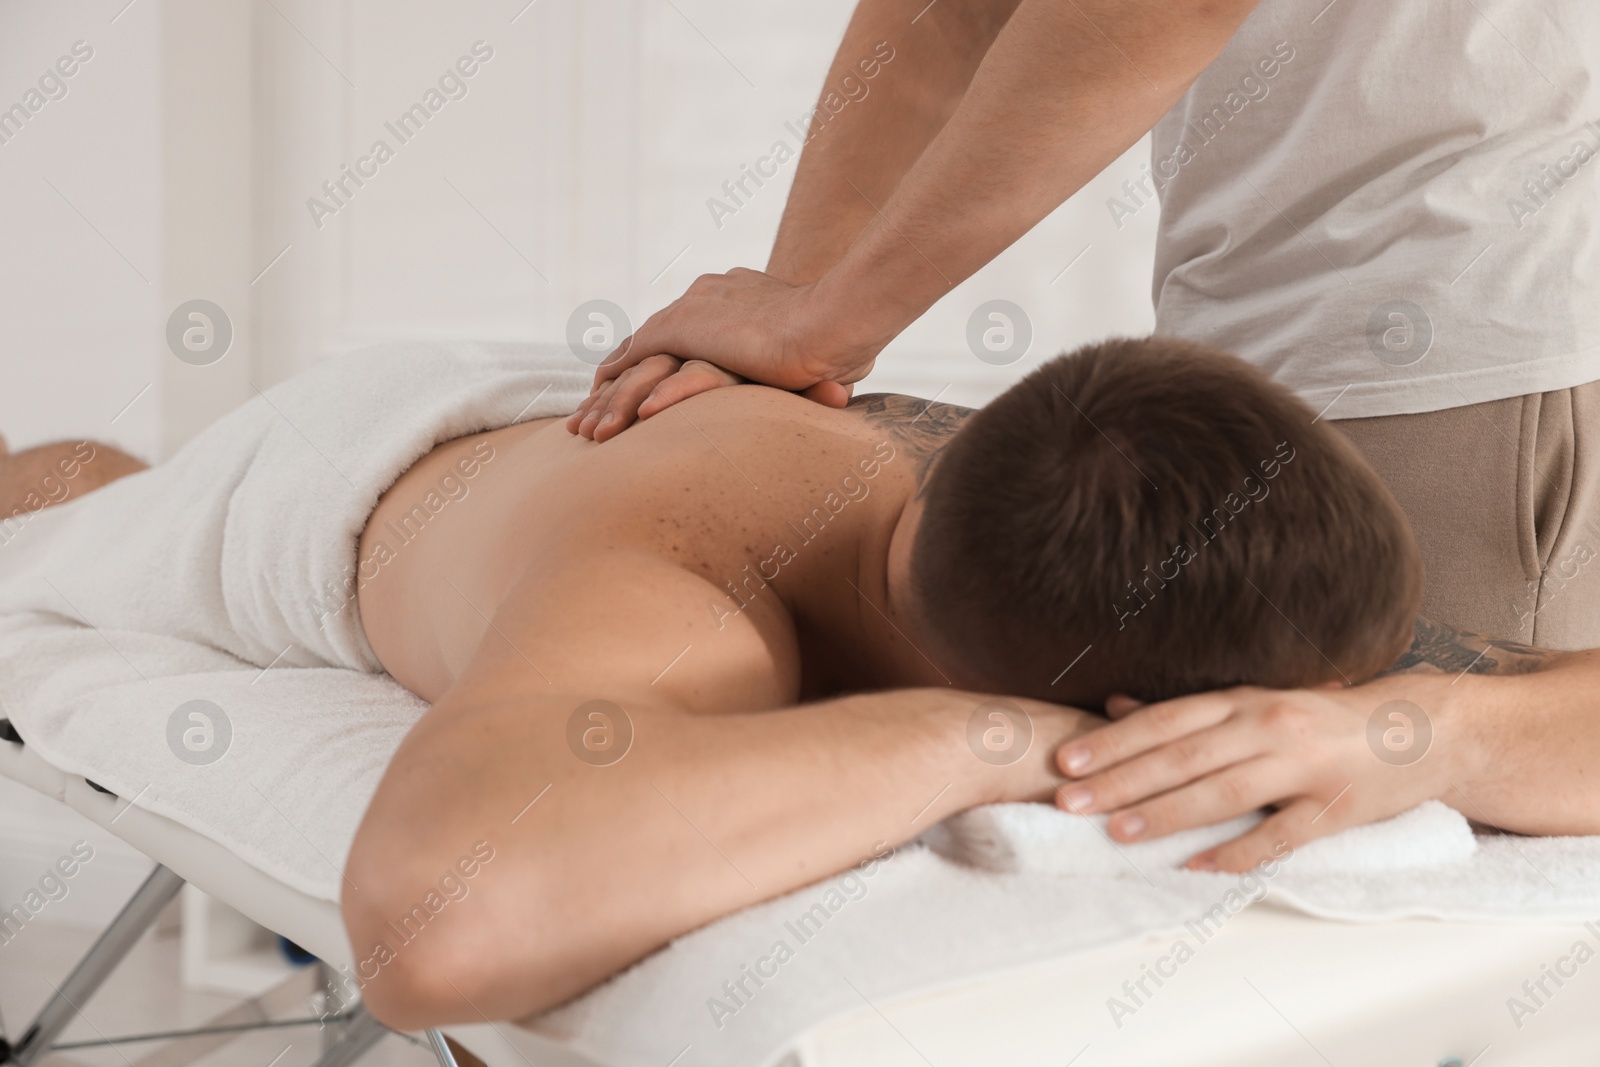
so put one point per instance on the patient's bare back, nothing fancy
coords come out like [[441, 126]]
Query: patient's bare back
[[714, 522]]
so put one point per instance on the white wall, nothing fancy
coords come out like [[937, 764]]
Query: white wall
[[76, 291]]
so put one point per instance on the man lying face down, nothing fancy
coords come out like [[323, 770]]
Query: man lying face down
[[755, 641], [742, 647]]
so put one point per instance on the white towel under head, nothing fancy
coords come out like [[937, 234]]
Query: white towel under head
[[1038, 838]]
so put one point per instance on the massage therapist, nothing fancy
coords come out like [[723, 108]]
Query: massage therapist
[[1393, 208]]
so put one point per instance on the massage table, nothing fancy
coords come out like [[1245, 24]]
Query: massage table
[[1272, 988]]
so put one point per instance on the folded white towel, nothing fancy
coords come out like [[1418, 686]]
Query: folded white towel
[[1040, 838]]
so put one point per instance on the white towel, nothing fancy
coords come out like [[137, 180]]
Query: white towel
[[224, 575], [997, 888], [1040, 838]]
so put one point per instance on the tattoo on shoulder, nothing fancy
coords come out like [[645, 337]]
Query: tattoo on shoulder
[[924, 427], [1436, 647]]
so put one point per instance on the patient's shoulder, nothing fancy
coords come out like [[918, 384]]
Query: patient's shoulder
[[908, 418], [783, 427]]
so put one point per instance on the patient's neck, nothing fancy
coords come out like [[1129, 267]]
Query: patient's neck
[[849, 603]]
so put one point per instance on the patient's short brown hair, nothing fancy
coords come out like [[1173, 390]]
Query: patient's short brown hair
[[1157, 517]]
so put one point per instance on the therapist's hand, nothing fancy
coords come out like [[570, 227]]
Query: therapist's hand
[[1203, 759], [641, 391], [740, 326]]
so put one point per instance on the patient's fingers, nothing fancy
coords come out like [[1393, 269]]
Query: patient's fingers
[[1147, 728], [1119, 705], [1227, 794], [1275, 838], [1168, 767]]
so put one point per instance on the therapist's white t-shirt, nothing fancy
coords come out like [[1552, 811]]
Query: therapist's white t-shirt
[[1391, 205]]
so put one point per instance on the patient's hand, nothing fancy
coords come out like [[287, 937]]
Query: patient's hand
[[1202, 759]]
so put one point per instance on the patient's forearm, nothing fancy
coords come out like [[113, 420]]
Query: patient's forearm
[[858, 155], [704, 815]]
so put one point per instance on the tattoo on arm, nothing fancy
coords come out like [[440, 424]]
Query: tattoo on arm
[[1444, 649], [923, 427]]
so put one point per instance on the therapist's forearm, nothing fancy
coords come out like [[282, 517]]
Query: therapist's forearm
[[1529, 746], [1065, 89], [856, 157]]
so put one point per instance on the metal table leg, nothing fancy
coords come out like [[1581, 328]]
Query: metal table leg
[[442, 1051], [361, 1032], [109, 950]]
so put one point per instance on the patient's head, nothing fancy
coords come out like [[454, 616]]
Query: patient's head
[[1170, 509]]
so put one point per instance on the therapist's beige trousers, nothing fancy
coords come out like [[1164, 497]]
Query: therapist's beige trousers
[[1504, 498]]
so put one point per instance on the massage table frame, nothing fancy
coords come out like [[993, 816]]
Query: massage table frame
[[354, 1033], [357, 1031]]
